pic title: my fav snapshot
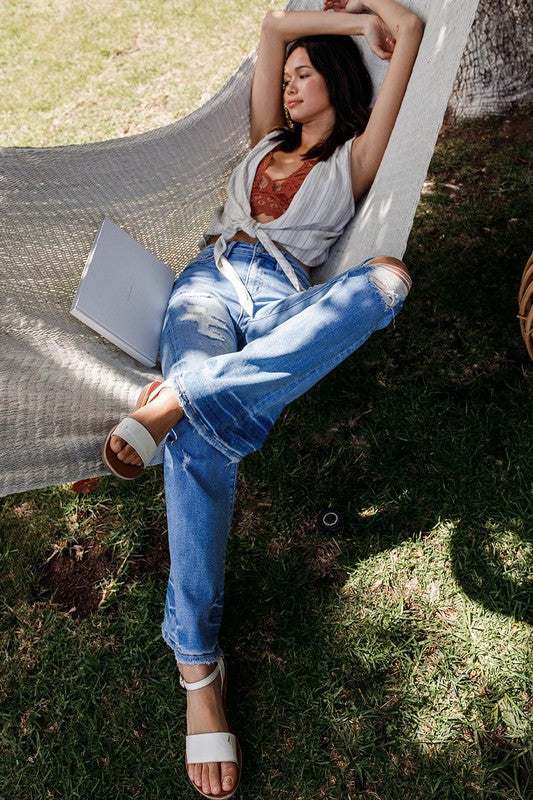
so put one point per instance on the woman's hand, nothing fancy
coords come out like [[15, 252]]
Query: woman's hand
[[351, 6], [378, 36]]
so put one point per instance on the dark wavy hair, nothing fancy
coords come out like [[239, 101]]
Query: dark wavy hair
[[338, 60]]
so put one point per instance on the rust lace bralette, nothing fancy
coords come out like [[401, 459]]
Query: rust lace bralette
[[273, 197]]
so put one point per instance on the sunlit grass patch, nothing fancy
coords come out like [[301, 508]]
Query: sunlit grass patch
[[73, 72], [450, 674]]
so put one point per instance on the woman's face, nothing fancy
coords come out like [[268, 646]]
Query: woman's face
[[304, 89]]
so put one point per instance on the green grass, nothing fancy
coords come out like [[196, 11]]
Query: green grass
[[72, 71], [388, 660]]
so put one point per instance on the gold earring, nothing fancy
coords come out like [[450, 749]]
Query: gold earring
[[288, 119]]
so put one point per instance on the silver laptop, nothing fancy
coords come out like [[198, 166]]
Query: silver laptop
[[123, 293]]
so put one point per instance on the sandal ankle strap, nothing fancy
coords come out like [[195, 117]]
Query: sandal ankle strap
[[205, 681]]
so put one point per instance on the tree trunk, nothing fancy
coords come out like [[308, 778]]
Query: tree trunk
[[495, 72]]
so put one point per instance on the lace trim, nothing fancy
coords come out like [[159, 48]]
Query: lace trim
[[273, 197]]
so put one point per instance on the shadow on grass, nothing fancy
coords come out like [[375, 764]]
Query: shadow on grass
[[349, 678], [422, 429]]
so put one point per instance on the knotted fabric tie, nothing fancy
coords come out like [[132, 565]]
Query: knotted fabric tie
[[229, 271]]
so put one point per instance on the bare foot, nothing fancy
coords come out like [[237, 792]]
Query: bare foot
[[158, 417], [205, 714]]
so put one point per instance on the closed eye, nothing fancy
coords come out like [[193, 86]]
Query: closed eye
[[287, 82]]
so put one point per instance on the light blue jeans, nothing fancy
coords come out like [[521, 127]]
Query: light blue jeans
[[234, 374]]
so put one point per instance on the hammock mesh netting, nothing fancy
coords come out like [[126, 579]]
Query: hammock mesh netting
[[63, 386]]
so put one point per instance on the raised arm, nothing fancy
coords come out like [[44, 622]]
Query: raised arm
[[278, 30], [405, 30], [393, 34]]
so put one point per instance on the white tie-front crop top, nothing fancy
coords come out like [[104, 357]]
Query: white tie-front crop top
[[314, 220]]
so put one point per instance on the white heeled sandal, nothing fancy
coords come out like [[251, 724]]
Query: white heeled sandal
[[135, 435], [205, 748]]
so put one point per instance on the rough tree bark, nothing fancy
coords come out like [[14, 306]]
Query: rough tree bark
[[495, 73]]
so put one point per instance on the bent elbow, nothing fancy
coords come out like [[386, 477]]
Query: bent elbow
[[273, 20], [414, 25]]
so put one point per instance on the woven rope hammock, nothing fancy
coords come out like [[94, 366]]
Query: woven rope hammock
[[62, 385]]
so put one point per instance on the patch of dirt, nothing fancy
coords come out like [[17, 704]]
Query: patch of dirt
[[513, 127], [516, 129], [74, 577], [154, 559]]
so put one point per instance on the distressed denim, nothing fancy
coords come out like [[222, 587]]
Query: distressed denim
[[234, 374]]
